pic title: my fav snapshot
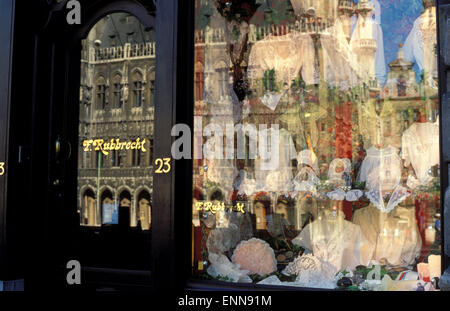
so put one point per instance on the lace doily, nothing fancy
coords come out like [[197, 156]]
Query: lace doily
[[301, 263], [337, 195], [353, 195]]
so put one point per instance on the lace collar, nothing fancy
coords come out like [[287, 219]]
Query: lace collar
[[399, 195]]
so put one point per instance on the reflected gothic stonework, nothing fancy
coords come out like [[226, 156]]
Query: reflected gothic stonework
[[116, 103]]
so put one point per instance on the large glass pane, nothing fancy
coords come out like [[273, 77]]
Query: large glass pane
[[115, 138], [316, 143]]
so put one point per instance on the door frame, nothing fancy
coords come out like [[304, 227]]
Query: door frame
[[7, 9], [56, 95]]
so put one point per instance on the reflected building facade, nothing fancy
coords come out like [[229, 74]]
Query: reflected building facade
[[116, 106]]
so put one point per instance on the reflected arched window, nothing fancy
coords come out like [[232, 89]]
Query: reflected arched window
[[144, 208], [88, 213], [125, 210], [109, 209], [138, 90], [117, 91], [222, 78], [101, 93], [199, 81]]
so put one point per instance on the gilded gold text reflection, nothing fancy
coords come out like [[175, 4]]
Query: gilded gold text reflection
[[113, 144]]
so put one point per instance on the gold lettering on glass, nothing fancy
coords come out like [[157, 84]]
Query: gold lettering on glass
[[113, 144]]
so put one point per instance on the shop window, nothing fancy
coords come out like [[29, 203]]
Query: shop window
[[342, 188]]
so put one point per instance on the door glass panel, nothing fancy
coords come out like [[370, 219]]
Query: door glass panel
[[116, 129], [316, 143]]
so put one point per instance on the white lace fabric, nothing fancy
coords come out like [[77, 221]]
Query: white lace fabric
[[420, 147], [335, 241], [398, 195], [394, 236], [288, 55], [271, 100], [341, 68], [381, 169], [308, 184]]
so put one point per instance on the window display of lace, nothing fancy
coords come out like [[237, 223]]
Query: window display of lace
[[336, 241], [320, 78], [381, 169], [395, 236], [420, 148]]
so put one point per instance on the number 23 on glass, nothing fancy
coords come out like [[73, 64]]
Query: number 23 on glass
[[163, 165]]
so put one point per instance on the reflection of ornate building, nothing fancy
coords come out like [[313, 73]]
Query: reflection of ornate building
[[348, 100], [116, 102]]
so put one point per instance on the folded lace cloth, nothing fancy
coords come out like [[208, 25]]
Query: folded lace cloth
[[336, 241], [222, 266], [353, 195], [337, 195], [395, 236]]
